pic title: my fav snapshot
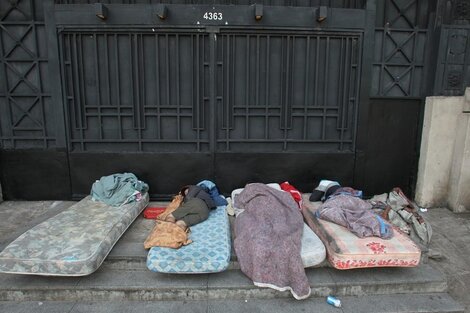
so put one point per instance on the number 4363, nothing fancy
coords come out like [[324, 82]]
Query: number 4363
[[216, 16]]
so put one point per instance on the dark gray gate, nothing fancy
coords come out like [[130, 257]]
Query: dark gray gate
[[231, 103], [265, 90]]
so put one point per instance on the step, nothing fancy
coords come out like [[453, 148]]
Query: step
[[107, 285], [423, 303]]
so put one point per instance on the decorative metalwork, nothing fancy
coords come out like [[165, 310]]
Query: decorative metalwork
[[25, 120], [400, 48], [137, 92], [461, 10], [281, 92], [453, 61]]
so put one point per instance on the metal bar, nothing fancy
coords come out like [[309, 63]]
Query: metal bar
[[325, 86], [178, 102], [198, 87], [306, 88], [339, 86], [345, 93], [198, 143], [382, 67], [78, 103], [202, 108], [317, 53], [268, 76], [167, 63], [118, 86], [98, 85], [247, 87], [415, 40], [140, 86], [158, 86], [257, 71], [212, 100], [228, 82], [131, 76]]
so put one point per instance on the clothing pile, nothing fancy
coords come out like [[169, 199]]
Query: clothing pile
[[343, 206], [118, 189]]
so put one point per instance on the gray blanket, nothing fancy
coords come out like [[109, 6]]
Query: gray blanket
[[268, 239], [356, 215]]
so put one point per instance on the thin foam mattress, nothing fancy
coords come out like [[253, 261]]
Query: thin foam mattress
[[75, 242], [209, 251], [347, 251]]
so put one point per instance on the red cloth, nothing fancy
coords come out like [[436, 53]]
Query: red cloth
[[296, 194], [153, 212]]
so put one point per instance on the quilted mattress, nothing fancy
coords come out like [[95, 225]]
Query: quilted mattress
[[73, 243], [208, 253], [347, 251]]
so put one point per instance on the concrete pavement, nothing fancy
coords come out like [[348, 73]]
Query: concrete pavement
[[374, 290]]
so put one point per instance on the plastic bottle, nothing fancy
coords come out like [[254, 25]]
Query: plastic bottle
[[333, 301]]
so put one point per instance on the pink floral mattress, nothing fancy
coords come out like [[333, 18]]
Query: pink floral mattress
[[347, 251]]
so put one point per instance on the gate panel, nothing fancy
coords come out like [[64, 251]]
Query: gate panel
[[25, 103], [279, 92], [136, 91]]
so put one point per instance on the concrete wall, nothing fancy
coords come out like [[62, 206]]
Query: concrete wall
[[444, 164]]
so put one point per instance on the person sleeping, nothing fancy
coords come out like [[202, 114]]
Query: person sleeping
[[194, 209]]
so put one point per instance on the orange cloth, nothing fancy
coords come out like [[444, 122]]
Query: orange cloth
[[174, 204], [167, 234]]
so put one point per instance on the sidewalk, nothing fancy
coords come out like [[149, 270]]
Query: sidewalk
[[451, 245], [449, 250]]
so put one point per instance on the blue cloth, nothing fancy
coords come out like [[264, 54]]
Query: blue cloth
[[118, 189], [213, 192]]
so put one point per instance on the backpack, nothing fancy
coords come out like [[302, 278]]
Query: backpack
[[403, 213]]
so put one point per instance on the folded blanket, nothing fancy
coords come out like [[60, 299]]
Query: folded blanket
[[118, 189], [268, 239]]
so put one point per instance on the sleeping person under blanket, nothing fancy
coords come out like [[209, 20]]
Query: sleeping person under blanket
[[194, 209]]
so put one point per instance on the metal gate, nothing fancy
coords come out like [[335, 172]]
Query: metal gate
[[232, 91], [234, 103]]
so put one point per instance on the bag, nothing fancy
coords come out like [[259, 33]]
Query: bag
[[153, 212], [403, 213]]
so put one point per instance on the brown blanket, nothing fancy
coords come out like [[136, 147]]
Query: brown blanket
[[268, 239]]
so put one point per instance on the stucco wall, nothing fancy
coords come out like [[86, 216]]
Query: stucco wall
[[444, 164]]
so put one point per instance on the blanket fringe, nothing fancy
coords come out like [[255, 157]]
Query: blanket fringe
[[296, 296]]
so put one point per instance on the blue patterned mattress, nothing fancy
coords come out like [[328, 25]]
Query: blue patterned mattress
[[208, 253], [73, 243]]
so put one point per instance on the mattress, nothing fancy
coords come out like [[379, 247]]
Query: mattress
[[313, 250], [347, 251], [75, 242], [208, 253]]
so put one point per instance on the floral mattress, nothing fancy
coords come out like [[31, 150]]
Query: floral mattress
[[209, 251], [73, 243], [347, 251]]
